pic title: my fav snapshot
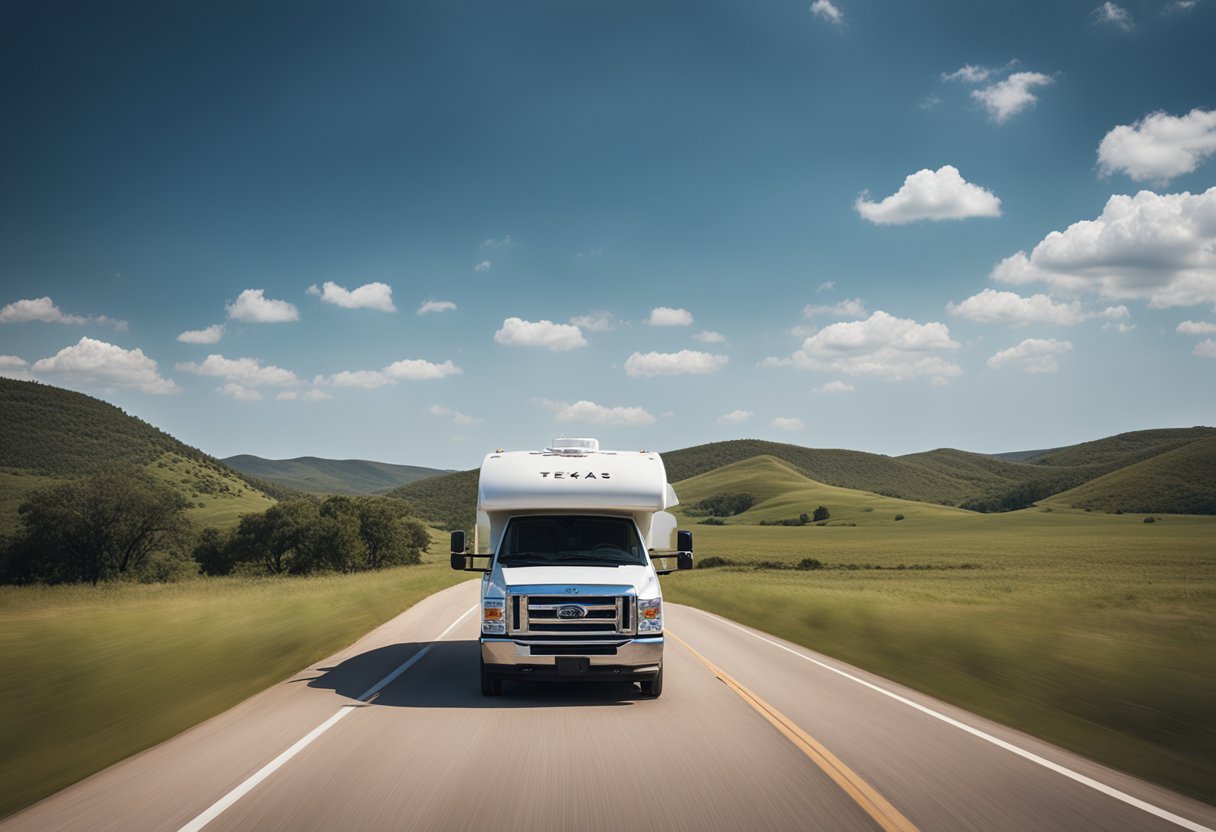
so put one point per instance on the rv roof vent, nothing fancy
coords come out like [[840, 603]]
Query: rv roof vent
[[575, 446]]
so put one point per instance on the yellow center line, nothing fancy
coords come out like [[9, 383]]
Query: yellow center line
[[863, 794]]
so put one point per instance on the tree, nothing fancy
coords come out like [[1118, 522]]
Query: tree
[[389, 536], [100, 527], [277, 538], [333, 541], [821, 514]]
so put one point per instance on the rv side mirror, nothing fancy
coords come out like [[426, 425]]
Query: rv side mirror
[[458, 542], [684, 559], [684, 541], [459, 561]]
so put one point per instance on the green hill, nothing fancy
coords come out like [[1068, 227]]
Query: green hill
[[1122, 449], [331, 476], [1180, 481], [783, 492], [48, 435], [448, 501]]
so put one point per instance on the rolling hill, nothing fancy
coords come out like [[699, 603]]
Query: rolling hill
[[48, 435], [331, 476]]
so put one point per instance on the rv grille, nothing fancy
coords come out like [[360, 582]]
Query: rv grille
[[584, 615]]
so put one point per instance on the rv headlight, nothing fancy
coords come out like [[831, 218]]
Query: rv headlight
[[493, 616], [650, 615]]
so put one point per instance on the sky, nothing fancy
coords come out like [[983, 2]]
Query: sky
[[418, 232]]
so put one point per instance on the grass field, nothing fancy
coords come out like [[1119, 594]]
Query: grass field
[[1096, 632], [92, 675]]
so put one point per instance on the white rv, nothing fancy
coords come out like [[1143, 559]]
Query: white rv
[[572, 540]]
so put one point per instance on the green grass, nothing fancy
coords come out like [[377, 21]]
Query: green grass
[[1095, 632], [218, 498], [92, 675]]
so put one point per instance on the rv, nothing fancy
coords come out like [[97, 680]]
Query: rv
[[571, 541]]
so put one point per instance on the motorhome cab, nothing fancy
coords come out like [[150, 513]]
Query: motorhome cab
[[572, 540]]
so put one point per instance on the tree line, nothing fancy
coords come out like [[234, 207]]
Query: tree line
[[125, 524]]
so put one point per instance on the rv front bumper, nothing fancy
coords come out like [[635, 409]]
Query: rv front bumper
[[625, 659]]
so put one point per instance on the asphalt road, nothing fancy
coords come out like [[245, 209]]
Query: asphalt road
[[773, 737]]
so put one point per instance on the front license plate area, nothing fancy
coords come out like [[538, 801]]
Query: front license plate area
[[573, 665]]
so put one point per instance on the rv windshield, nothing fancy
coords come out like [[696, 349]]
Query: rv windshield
[[571, 540]]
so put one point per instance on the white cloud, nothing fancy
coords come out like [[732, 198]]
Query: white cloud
[[834, 387], [597, 321], [931, 195], [457, 417], [436, 306], [516, 332], [708, 336], [1205, 349], [253, 307], [1196, 328], [106, 365], [787, 423], [993, 307], [365, 379], [249, 372], [1034, 355], [969, 74], [13, 366], [828, 11], [826, 286], [1112, 15], [417, 369], [1159, 146], [1157, 248], [242, 394], [501, 242], [483, 266], [596, 414], [666, 316], [882, 346], [1180, 6], [45, 311], [735, 417], [852, 308], [313, 395], [377, 296], [1007, 98], [684, 362], [210, 335]]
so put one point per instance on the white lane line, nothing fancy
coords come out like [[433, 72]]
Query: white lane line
[[217, 808], [1021, 752]]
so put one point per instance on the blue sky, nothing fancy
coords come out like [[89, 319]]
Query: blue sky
[[415, 232]]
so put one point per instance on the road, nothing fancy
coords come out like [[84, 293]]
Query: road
[[774, 736]]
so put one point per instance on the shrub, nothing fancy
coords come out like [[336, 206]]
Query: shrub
[[713, 561], [898, 517], [821, 514], [712, 521], [723, 505], [810, 563]]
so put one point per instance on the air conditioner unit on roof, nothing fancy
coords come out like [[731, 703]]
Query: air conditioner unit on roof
[[575, 446]]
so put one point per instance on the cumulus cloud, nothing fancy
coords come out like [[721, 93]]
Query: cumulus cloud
[[516, 332], [1005, 99], [436, 306], [253, 307], [787, 423], [881, 346], [598, 321], [365, 379], [95, 362], [968, 74], [852, 308], [590, 413], [13, 366], [417, 369], [826, 285], [249, 372], [1110, 14], [1205, 349], [684, 362], [993, 307], [931, 195], [1159, 248], [708, 336], [494, 243], [1034, 355], [456, 416], [1159, 146], [209, 335], [483, 266], [666, 316], [827, 10], [236, 391], [735, 417], [44, 310], [834, 387], [377, 296], [1196, 328]]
